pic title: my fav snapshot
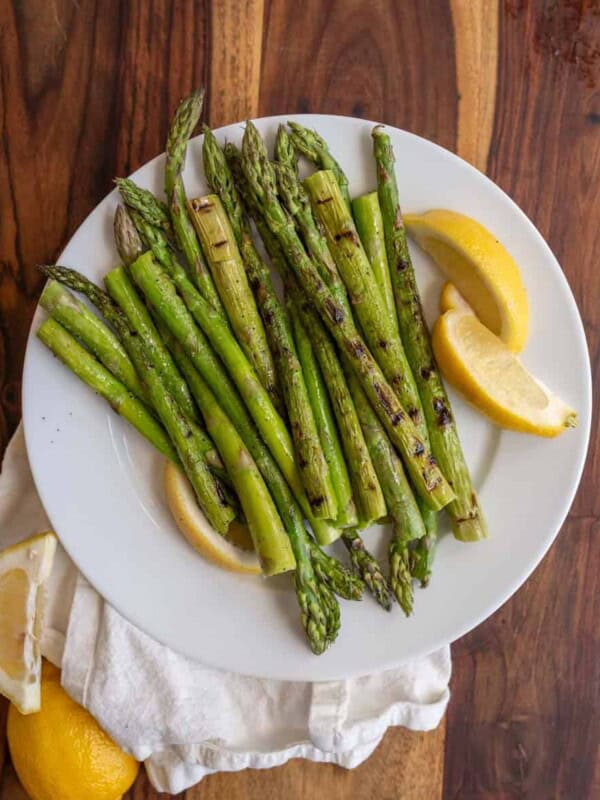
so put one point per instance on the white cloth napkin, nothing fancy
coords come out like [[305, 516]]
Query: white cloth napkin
[[185, 720]]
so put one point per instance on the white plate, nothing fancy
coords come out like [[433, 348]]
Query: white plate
[[101, 484]]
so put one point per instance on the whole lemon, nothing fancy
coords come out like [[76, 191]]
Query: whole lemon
[[61, 753]]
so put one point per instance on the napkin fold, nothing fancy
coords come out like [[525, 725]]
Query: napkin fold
[[185, 720]]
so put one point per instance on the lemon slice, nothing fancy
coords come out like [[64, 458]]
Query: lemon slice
[[493, 378], [482, 270], [234, 553], [24, 569]]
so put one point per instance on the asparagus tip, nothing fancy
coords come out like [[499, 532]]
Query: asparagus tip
[[367, 567], [400, 575]]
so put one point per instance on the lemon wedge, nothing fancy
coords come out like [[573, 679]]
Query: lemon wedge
[[481, 269], [491, 377], [451, 298], [24, 570], [234, 552]]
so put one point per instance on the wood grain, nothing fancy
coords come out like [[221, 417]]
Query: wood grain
[[476, 54], [523, 720], [365, 59], [86, 90], [236, 28]]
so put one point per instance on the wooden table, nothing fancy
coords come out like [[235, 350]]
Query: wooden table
[[86, 92]]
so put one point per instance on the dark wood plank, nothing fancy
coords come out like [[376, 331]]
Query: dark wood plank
[[86, 90], [523, 720], [366, 59]]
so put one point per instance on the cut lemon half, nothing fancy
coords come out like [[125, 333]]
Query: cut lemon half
[[491, 377], [24, 570], [481, 269], [234, 552]]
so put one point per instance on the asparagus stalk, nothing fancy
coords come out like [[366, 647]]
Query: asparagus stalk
[[125, 296], [367, 492], [406, 518], [225, 262], [315, 469], [182, 126], [161, 293], [130, 247], [369, 225], [318, 608], [353, 265], [326, 568], [426, 476], [467, 519], [194, 338], [297, 203], [330, 571], [162, 287], [325, 422], [90, 371], [189, 440], [315, 148], [285, 151], [220, 180], [381, 330], [276, 324], [271, 542], [203, 358], [217, 329], [95, 335], [363, 562], [130, 339]]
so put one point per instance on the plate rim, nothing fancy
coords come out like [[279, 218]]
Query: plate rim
[[584, 416]]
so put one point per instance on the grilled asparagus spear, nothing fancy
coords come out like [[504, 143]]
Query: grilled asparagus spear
[[467, 519], [426, 476]]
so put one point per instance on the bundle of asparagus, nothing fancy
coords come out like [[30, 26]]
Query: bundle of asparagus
[[324, 406]]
